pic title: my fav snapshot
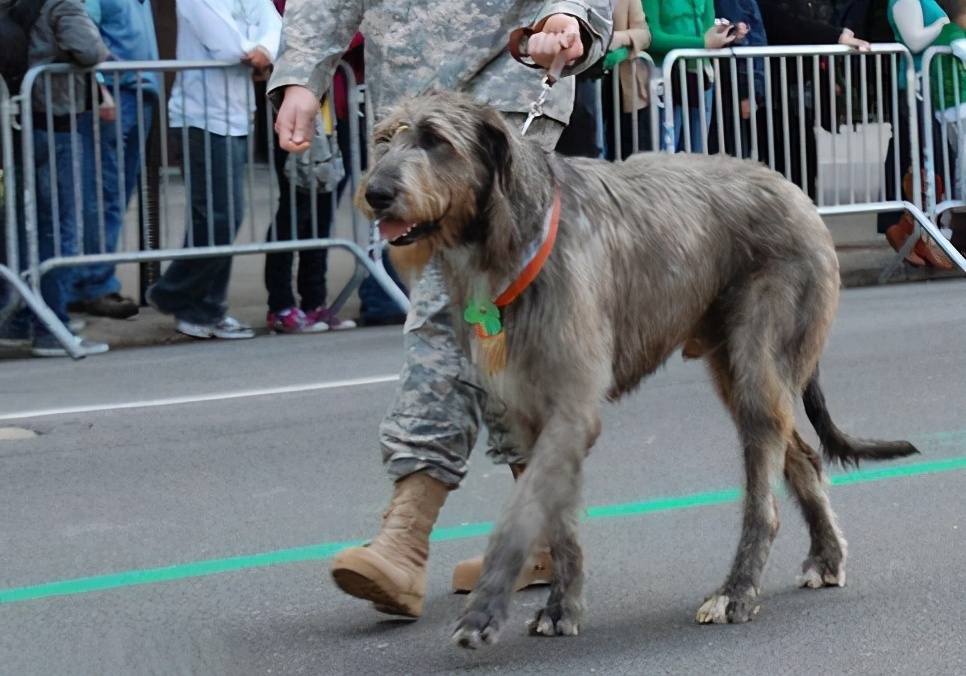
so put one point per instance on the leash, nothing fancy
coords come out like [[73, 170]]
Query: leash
[[518, 51]]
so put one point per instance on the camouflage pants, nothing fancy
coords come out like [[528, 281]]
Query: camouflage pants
[[434, 420]]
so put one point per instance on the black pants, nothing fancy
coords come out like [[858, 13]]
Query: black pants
[[798, 143], [893, 188], [735, 145], [579, 137], [642, 119], [313, 263]]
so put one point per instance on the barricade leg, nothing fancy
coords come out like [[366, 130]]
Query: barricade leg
[[366, 265], [149, 213], [923, 223], [43, 313]]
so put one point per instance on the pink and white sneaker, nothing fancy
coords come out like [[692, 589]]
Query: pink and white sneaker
[[289, 320], [332, 321], [315, 324]]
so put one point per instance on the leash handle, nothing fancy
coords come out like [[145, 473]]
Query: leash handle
[[518, 46], [553, 75], [556, 68]]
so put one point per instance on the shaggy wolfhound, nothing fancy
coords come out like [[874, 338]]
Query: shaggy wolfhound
[[721, 257]]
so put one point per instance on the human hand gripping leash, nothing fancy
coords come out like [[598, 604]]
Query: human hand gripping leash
[[553, 74]]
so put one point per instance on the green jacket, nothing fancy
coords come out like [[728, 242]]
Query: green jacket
[[947, 69], [677, 24]]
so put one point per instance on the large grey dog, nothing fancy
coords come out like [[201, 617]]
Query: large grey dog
[[721, 257]]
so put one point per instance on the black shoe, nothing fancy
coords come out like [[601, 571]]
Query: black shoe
[[112, 305], [381, 320], [15, 334]]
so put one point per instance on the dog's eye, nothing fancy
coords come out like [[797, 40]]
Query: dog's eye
[[429, 139]]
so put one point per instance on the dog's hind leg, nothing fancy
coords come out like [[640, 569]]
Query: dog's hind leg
[[544, 504], [761, 406], [825, 564]]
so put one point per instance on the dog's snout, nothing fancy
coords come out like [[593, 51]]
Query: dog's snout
[[380, 194]]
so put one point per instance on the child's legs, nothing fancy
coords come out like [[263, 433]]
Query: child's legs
[[313, 263]]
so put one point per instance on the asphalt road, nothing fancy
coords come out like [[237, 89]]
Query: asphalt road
[[177, 510]]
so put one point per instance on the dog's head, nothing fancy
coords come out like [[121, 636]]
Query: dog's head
[[434, 165]]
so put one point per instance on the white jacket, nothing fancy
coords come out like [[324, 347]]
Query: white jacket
[[220, 100]]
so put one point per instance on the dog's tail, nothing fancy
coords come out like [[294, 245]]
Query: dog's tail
[[840, 447]]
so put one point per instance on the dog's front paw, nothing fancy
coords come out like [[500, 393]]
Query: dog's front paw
[[729, 609], [475, 629], [554, 621]]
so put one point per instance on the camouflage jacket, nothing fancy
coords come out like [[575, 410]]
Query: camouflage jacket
[[411, 47]]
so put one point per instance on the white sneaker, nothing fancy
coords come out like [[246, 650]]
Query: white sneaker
[[48, 346], [228, 328]]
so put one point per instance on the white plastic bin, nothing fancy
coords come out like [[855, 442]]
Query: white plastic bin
[[852, 163]]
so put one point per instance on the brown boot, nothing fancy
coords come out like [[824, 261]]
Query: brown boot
[[898, 233], [537, 570], [930, 252], [390, 571]]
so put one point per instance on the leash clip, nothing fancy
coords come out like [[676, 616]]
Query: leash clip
[[536, 108]]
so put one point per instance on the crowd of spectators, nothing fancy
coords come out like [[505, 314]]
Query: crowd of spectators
[[90, 132]]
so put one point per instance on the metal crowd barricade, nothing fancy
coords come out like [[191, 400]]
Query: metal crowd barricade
[[628, 132], [947, 116], [16, 290], [944, 110], [178, 239], [818, 103]]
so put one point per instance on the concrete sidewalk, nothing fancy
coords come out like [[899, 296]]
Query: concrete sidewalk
[[863, 254]]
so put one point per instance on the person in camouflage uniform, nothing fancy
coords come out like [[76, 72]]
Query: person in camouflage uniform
[[433, 423]]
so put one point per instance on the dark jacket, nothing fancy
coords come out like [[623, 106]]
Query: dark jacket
[[868, 19], [790, 22], [747, 12], [64, 33]]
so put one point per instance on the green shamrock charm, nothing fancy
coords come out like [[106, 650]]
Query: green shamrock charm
[[485, 316]]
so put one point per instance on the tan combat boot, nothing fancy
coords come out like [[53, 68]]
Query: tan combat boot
[[537, 570], [390, 571]]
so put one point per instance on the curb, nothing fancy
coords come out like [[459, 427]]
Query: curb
[[861, 265]]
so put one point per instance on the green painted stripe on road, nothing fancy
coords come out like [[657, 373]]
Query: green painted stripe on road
[[868, 475], [470, 530], [132, 578]]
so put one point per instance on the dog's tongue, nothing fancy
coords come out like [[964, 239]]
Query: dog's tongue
[[393, 228]]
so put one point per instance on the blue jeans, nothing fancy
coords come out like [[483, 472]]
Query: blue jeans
[[93, 281], [54, 174], [15, 193], [194, 290], [698, 131]]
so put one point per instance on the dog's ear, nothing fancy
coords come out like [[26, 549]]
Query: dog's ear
[[495, 143]]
